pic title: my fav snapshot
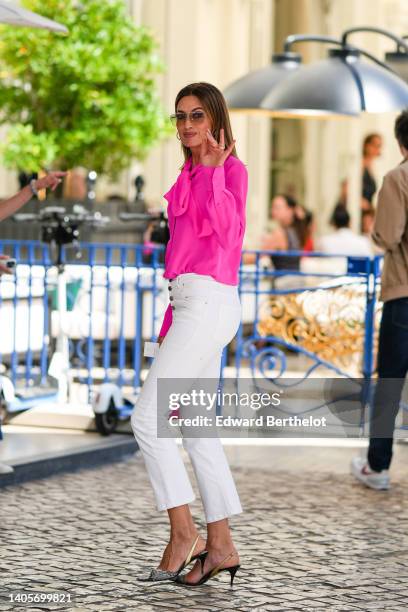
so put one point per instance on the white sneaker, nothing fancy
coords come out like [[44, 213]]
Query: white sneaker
[[6, 469], [375, 480]]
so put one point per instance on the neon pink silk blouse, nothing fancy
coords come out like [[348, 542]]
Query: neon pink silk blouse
[[206, 213]]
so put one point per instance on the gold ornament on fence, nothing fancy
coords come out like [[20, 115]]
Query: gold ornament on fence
[[329, 322]]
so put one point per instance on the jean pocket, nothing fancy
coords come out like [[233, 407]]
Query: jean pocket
[[228, 322], [399, 314], [190, 317], [193, 299]]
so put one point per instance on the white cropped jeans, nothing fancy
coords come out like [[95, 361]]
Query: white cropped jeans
[[206, 317]]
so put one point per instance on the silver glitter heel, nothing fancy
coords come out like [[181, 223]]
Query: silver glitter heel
[[158, 574]]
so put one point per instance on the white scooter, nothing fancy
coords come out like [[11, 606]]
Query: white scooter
[[111, 405]]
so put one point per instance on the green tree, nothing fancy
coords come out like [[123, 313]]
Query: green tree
[[86, 99]]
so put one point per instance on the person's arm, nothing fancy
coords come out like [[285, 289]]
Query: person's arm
[[222, 195], [148, 232], [10, 206], [275, 241], [391, 215]]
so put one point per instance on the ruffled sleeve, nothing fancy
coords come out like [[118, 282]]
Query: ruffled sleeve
[[221, 193], [169, 195], [182, 201]]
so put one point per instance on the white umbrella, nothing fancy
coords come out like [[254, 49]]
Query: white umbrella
[[15, 15]]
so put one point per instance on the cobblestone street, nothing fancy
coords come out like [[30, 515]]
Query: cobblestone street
[[310, 537]]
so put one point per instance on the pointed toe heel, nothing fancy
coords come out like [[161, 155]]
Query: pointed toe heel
[[158, 574], [210, 573], [233, 570]]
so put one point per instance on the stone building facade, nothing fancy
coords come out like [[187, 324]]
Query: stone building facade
[[221, 40]]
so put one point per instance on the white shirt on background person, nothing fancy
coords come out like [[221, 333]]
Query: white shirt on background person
[[345, 242]]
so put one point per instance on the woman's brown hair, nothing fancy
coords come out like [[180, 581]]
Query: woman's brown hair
[[215, 106], [300, 225]]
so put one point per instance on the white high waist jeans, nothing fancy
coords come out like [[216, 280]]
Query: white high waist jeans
[[206, 317]]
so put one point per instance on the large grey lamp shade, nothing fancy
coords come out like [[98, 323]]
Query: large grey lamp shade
[[339, 85], [15, 15], [248, 92], [398, 62]]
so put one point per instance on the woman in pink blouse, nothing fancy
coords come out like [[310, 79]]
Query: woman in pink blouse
[[206, 212]]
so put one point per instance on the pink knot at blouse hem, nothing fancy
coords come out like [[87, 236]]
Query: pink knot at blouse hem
[[206, 213]]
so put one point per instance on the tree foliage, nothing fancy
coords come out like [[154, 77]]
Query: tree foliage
[[88, 98]]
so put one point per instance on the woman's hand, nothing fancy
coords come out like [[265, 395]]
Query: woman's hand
[[213, 153], [51, 180]]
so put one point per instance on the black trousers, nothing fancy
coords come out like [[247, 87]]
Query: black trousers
[[392, 369]]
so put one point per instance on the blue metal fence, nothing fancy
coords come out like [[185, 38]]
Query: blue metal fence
[[357, 278], [114, 302], [116, 299]]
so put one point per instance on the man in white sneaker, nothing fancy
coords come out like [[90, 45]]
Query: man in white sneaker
[[391, 233]]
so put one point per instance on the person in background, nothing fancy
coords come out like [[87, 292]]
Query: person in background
[[372, 146], [9, 207], [156, 234], [308, 246], [390, 233], [289, 233], [367, 222], [343, 195], [343, 241], [367, 227]]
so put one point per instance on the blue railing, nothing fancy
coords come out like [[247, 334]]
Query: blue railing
[[116, 300], [356, 277]]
